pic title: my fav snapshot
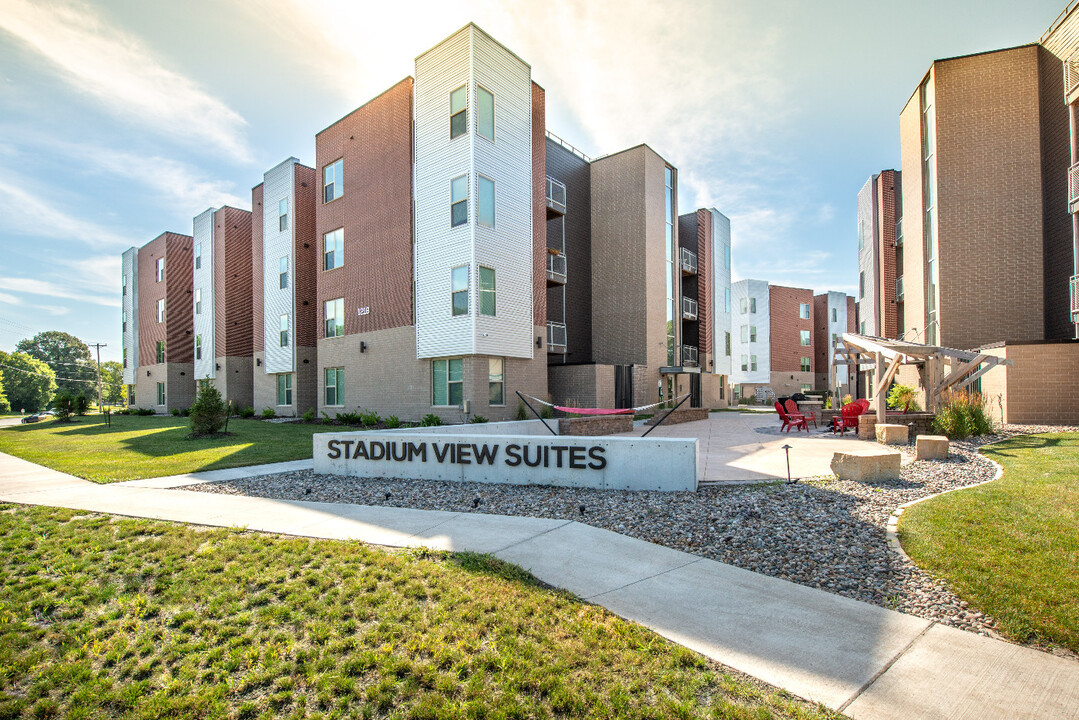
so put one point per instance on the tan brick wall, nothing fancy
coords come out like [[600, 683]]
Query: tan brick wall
[[179, 379], [235, 380], [788, 383], [786, 326], [910, 146], [375, 211], [304, 385], [1039, 388]]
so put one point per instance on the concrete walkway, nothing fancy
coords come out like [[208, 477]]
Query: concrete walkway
[[861, 659], [736, 448]]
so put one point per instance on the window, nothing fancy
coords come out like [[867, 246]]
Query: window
[[485, 113], [727, 257], [161, 351], [447, 382], [753, 333], [160, 269], [333, 181], [161, 393], [459, 201], [284, 335], [485, 202], [753, 362], [333, 251], [282, 215], [753, 305], [123, 322], [459, 290], [284, 389], [282, 273], [198, 255], [728, 344], [835, 337], [806, 364], [745, 333], [861, 285], [727, 299], [806, 387], [123, 283], [198, 347], [458, 112], [335, 318], [863, 327], [742, 305], [198, 301], [487, 291], [745, 363], [835, 315], [161, 310], [335, 386], [804, 336], [496, 382], [803, 310]]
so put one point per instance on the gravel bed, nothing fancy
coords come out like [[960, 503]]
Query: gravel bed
[[823, 532]]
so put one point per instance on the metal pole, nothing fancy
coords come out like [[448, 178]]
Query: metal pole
[[660, 421], [99, 346], [535, 413]]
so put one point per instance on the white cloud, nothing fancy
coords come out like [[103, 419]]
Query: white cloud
[[122, 73], [28, 214], [54, 310], [31, 286], [9, 299]]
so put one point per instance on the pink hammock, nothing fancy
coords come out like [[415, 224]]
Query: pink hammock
[[594, 411]]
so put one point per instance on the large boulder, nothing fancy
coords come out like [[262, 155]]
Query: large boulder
[[931, 447], [868, 464], [889, 434]]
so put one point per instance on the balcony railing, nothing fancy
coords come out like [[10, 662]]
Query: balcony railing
[[1075, 299], [1071, 75], [899, 232], [556, 196], [899, 289], [1073, 183], [689, 356], [689, 261], [689, 309], [556, 269], [556, 337]]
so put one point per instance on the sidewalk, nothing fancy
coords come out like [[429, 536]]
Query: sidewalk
[[858, 658]]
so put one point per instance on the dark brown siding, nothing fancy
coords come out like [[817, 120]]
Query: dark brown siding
[[258, 302], [150, 291], [821, 340], [375, 211], [887, 187], [539, 206], [573, 171], [706, 282], [232, 283], [179, 345], [306, 258], [786, 327]]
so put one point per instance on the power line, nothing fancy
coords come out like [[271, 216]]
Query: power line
[[29, 372]]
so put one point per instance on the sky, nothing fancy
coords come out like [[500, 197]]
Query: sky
[[121, 119]]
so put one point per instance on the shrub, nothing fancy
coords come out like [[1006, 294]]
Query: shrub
[[900, 395], [393, 422], [82, 404], [175, 412], [546, 412], [63, 404], [847, 399], [268, 414], [247, 412], [326, 419], [522, 412], [349, 418], [208, 413], [309, 416], [430, 420], [370, 419], [961, 415], [478, 419], [145, 411]]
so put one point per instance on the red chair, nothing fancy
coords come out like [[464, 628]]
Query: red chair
[[796, 420], [792, 409], [848, 417]]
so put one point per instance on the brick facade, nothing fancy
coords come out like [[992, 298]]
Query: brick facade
[[1040, 386], [888, 187], [786, 326]]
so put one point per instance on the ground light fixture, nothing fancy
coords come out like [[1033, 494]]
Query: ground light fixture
[[787, 450]]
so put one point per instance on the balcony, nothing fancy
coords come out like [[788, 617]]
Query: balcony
[[1073, 186], [899, 289], [689, 261], [1075, 299], [689, 356], [1071, 77], [556, 198], [899, 232], [689, 309], [556, 338], [556, 268]]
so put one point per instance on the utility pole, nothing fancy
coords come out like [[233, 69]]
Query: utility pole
[[99, 346]]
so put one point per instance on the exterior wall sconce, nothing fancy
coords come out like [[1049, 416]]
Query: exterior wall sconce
[[539, 341], [258, 362], [217, 365], [363, 346], [147, 373]]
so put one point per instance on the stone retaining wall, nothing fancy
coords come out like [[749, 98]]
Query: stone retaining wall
[[597, 425], [681, 415]]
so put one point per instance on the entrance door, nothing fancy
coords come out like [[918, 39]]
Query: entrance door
[[695, 390], [623, 386]]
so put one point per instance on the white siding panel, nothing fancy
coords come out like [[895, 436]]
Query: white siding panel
[[762, 320], [203, 279], [836, 301], [129, 267], [721, 240], [278, 184]]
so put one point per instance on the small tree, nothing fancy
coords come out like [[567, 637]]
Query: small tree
[[208, 412], [900, 395], [4, 405], [82, 404], [63, 404]]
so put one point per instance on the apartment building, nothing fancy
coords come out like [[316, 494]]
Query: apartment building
[[221, 302], [751, 344], [834, 313], [285, 259], [157, 316], [880, 256]]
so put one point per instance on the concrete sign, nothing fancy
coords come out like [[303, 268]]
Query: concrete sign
[[593, 462]]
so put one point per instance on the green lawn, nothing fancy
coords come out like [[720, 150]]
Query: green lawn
[[140, 447], [1011, 548], [111, 617]]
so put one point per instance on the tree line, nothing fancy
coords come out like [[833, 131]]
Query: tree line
[[54, 362]]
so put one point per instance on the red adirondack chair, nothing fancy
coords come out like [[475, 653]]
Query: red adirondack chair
[[848, 416], [792, 409], [796, 420]]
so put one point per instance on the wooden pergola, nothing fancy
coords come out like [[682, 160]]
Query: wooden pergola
[[942, 367]]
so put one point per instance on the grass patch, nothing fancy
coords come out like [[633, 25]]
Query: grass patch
[[1011, 548], [141, 447], [103, 617]]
